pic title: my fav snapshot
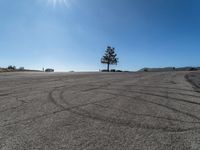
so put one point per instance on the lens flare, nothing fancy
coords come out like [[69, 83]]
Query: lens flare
[[59, 2]]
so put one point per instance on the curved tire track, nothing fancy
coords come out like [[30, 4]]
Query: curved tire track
[[122, 122]]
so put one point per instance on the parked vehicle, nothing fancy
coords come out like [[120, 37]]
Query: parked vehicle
[[49, 70]]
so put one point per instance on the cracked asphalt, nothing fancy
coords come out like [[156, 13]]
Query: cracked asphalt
[[100, 111]]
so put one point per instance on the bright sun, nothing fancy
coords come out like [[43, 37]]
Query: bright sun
[[60, 2]]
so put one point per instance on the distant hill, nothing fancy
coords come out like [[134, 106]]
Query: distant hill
[[170, 69]]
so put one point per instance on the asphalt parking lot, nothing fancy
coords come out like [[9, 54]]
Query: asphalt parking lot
[[99, 111]]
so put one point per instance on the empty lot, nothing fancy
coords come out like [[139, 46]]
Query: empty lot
[[103, 111]]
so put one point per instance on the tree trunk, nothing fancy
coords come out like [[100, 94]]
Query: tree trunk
[[108, 67]]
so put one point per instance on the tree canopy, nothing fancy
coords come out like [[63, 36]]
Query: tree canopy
[[110, 57]]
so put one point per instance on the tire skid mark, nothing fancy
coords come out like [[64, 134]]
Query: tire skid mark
[[190, 95], [5, 94], [146, 115], [196, 87], [116, 121], [92, 89], [73, 106], [39, 116], [11, 108], [157, 95], [164, 87], [168, 91], [136, 98], [123, 122], [127, 123], [32, 118], [61, 96], [22, 103], [130, 123], [50, 97]]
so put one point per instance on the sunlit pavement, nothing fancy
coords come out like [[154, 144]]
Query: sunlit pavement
[[88, 111]]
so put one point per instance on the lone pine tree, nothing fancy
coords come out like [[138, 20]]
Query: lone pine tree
[[110, 57]]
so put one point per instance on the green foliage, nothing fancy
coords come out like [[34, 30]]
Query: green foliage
[[12, 67], [110, 57]]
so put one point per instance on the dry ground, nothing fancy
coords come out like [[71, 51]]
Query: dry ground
[[99, 111]]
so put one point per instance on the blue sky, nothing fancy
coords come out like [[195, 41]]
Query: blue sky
[[74, 35]]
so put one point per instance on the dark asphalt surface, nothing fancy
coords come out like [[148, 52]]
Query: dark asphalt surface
[[99, 111]]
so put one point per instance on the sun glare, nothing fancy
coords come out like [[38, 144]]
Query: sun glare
[[59, 2]]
